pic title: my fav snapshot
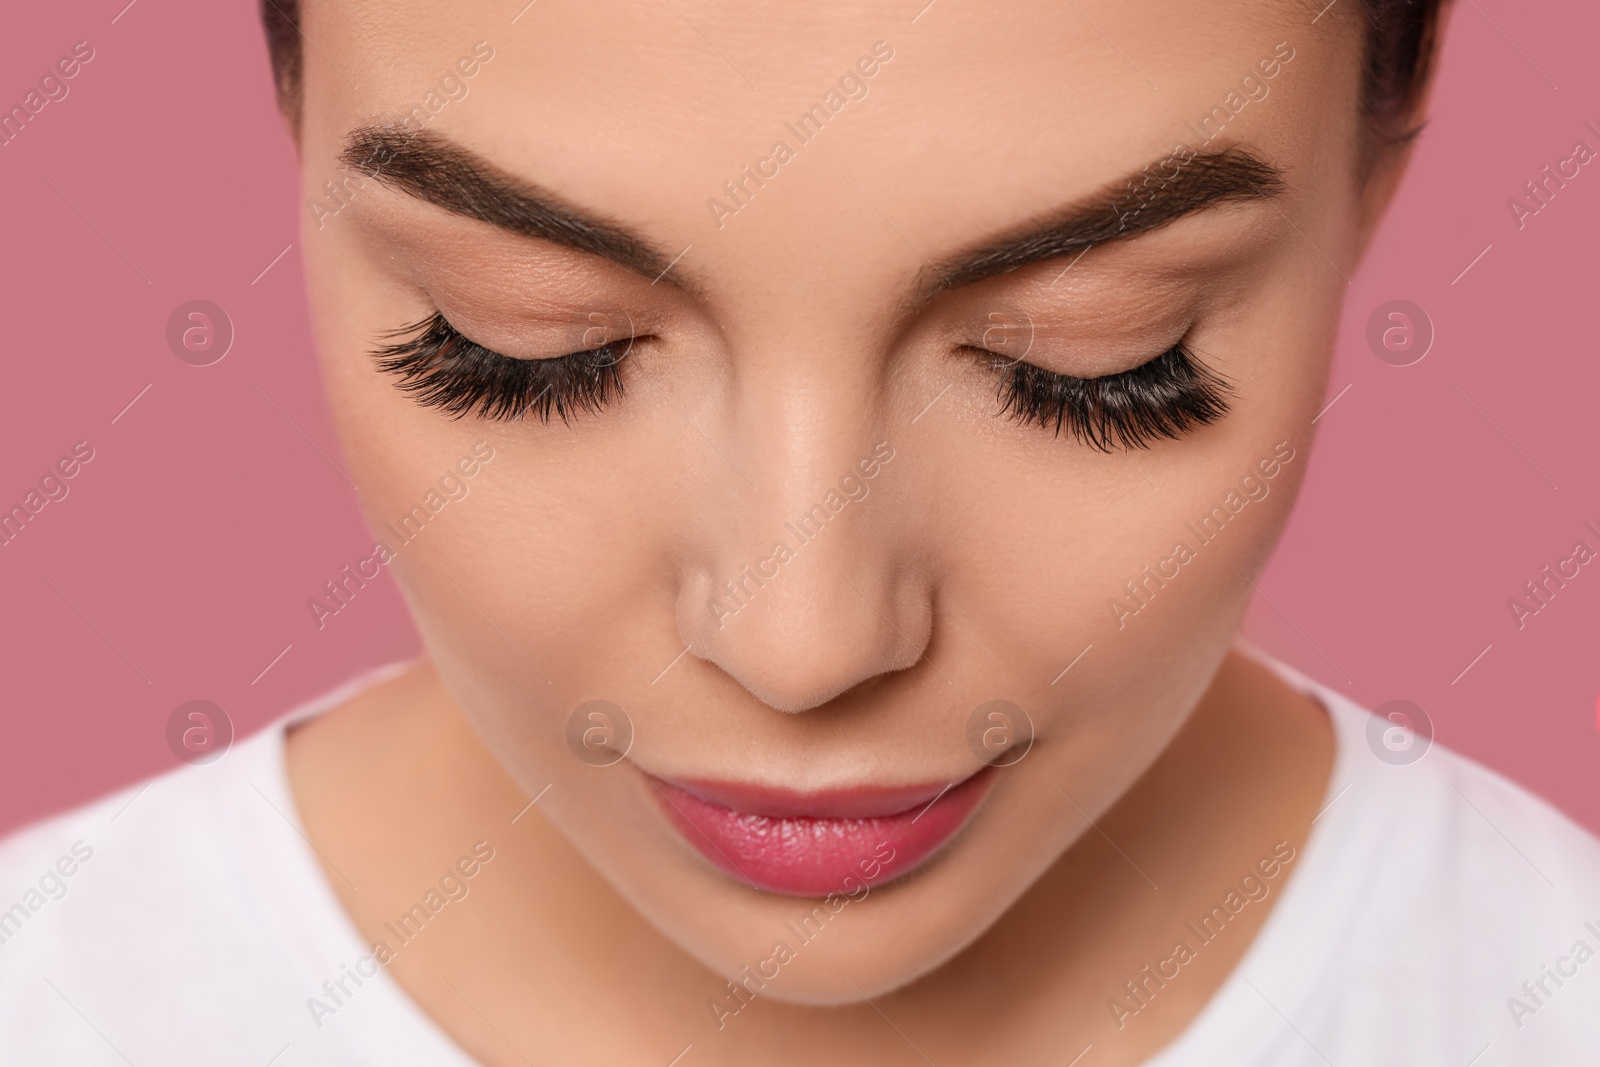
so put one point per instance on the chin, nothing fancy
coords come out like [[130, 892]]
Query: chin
[[877, 932]]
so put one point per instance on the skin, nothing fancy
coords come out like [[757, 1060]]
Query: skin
[[786, 345]]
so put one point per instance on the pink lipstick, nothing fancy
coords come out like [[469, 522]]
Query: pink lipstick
[[814, 844]]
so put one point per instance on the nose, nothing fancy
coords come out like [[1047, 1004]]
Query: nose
[[814, 629], [816, 592]]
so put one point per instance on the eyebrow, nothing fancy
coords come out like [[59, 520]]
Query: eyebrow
[[1135, 204], [436, 170], [430, 167]]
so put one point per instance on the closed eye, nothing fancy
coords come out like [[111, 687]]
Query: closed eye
[[443, 369], [1165, 397]]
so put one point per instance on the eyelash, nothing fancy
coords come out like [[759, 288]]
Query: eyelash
[[443, 369], [1164, 398]]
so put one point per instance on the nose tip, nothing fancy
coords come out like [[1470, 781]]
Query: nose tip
[[804, 636]]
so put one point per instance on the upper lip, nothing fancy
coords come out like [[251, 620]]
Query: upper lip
[[849, 802]]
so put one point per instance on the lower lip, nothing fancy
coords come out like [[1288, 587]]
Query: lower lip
[[817, 855]]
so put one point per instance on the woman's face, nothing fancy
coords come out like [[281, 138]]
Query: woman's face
[[879, 305]]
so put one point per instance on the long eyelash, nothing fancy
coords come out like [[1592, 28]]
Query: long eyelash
[[1163, 398], [442, 369]]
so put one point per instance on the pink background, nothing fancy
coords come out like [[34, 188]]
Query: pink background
[[183, 556]]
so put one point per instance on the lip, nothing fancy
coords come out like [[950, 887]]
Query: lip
[[815, 844]]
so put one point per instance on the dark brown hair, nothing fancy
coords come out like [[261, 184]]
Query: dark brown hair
[[1402, 38], [1400, 41], [280, 19]]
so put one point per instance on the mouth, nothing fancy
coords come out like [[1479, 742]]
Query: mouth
[[816, 844]]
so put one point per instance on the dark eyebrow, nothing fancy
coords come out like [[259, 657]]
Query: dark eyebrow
[[434, 169], [1143, 201], [426, 165]]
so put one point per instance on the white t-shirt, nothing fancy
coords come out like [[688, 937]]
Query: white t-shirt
[[187, 921]]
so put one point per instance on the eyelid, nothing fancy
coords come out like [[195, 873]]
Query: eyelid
[[1089, 325], [546, 336], [1012, 337]]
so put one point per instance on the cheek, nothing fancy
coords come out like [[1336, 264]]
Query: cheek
[[548, 585], [1047, 556], [1061, 556], [547, 546]]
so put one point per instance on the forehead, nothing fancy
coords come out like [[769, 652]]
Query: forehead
[[973, 116]]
